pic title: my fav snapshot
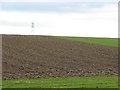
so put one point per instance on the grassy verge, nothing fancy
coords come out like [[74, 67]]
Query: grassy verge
[[101, 41], [68, 82], [0, 84]]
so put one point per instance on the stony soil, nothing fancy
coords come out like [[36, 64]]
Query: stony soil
[[43, 56]]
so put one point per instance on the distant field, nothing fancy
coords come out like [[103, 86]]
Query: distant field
[[101, 41], [68, 82]]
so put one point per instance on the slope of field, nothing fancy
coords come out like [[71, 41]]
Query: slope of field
[[100, 41], [40, 56]]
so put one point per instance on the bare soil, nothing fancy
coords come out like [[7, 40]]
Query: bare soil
[[43, 56]]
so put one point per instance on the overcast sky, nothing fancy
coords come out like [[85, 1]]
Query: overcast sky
[[96, 18]]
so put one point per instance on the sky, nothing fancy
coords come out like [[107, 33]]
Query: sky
[[96, 18]]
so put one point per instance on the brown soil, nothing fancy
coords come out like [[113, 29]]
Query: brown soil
[[42, 56]]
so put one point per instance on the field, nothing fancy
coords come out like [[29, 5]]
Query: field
[[57, 62], [68, 82], [101, 41]]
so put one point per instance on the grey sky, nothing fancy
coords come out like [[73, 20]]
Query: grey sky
[[55, 6]]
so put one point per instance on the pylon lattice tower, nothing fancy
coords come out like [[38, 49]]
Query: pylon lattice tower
[[33, 26]]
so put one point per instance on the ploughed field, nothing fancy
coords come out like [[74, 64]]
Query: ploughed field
[[43, 56]]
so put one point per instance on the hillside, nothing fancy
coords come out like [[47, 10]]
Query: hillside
[[42, 56]]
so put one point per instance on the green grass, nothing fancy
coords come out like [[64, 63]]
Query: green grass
[[66, 82], [101, 41], [0, 84]]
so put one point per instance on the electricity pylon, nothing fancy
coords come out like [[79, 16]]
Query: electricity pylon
[[33, 26]]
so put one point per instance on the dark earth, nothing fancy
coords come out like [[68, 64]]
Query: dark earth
[[44, 56]]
